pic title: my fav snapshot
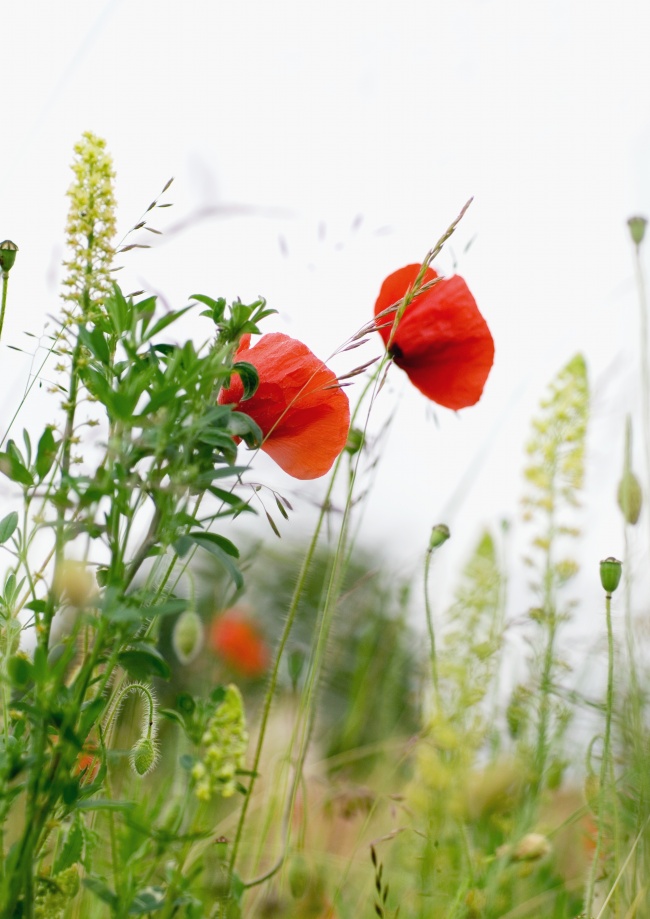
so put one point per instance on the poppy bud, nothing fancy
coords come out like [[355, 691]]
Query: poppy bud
[[637, 227], [439, 535], [8, 252], [630, 497], [610, 574], [187, 637], [143, 756]]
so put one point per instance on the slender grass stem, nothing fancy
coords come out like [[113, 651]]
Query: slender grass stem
[[5, 284], [606, 786]]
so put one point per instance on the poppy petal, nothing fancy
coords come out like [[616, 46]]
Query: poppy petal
[[442, 342], [301, 410]]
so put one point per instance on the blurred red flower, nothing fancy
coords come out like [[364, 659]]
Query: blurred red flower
[[235, 638], [302, 412], [442, 342]]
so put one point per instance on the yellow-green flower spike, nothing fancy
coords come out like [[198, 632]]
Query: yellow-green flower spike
[[91, 226]]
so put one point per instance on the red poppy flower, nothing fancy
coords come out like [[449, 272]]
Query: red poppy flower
[[302, 412], [236, 640], [442, 342]]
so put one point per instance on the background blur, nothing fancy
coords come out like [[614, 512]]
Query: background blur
[[316, 147]]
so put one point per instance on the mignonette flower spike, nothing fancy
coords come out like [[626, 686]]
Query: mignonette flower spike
[[301, 410], [442, 342]]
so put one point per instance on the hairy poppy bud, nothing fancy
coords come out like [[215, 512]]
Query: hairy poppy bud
[[143, 756], [610, 574], [637, 227], [8, 252], [630, 497], [187, 637]]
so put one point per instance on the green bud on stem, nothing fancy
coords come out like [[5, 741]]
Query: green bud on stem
[[610, 574]]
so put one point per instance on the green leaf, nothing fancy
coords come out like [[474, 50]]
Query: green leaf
[[240, 425], [142, 661], [249, 377], [8, 526], [119, 311], [221, 549], [96, 343], [14, 469], [214, 538], [165, 321], [45, 453], [172, 716], [217, 307], [72, 848]]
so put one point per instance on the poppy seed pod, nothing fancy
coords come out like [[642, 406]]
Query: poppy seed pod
[[637, 227], [630, 497], [8, 252], [439, 535], [610, 574]]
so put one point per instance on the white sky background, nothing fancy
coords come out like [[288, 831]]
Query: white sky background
[[313, 113]]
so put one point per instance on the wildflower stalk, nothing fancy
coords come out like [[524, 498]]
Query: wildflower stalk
[[5, 284], [439, 535], [286, 631], [606, 765]]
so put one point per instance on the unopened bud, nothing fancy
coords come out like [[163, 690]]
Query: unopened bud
[[630, 497], [299, 876], [143, 756], [637, 227], [439, 535], [610, 574], [187, 637]]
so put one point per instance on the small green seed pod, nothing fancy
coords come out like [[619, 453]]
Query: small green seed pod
[[143, 756], [610, 574], [439, 535], [637, 227], [8, 252], [630, 497]]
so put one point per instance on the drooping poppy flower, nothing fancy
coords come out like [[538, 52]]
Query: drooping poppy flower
[[302, 412], [235, 638], [441, 342]]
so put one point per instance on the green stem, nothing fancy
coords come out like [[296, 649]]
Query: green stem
[[606, 765], [432, 634], [5, 284], [288, 625], [645, 359]]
